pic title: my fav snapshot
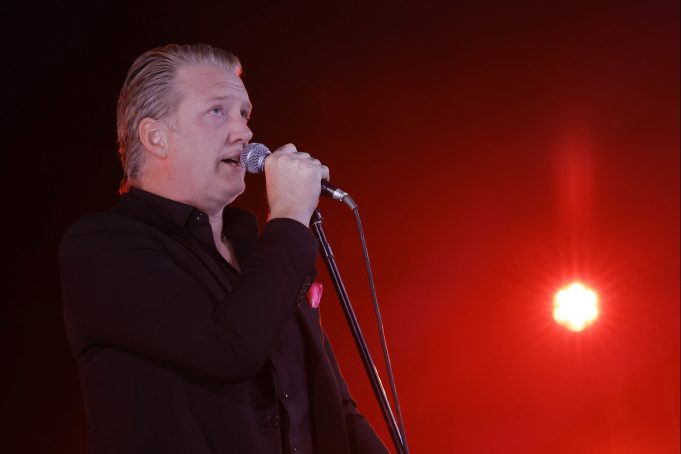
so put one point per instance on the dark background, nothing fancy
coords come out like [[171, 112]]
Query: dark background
[[498, 151]]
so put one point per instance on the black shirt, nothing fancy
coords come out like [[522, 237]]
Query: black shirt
[[288, 356], [180, 353]]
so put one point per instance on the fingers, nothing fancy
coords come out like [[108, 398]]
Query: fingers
[[290, 149], [325, 173], [303, 157], [286, 149], [293, 183]]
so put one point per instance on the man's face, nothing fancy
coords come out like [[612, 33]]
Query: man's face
[[208, 132]]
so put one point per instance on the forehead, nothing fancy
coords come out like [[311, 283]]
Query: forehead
[[206, 82]]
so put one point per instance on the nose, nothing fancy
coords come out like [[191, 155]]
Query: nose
[[240, 132]]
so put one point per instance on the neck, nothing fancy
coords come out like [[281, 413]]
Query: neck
[[216, 225]]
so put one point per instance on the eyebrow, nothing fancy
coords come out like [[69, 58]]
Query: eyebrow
[[223, 98]]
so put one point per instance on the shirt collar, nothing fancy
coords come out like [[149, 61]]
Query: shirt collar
[[177, 212], [235, 222]]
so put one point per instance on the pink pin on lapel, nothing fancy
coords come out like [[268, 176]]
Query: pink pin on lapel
[[314, 295]]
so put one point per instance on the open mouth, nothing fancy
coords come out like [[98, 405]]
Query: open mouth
[[231, 161]]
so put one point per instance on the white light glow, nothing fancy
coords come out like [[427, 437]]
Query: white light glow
[[575, 307]]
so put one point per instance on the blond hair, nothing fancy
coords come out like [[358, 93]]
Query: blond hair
[[149, 91]]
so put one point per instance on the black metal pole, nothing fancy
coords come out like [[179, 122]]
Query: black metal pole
[[369, 366]]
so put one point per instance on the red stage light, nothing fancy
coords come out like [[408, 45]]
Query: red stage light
[[575, 307]]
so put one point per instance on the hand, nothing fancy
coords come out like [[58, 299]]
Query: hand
[[293, 183]]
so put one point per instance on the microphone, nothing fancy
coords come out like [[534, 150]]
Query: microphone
[[253, 160]]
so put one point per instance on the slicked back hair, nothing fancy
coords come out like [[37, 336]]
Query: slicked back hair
[[150, 91]]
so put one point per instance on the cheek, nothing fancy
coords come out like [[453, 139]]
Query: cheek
[[196, 153]]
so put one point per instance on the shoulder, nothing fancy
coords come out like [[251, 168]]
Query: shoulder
[[96, 223], [127, 215], [105, 231]]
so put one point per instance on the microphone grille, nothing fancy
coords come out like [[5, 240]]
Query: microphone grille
[[253, 157]]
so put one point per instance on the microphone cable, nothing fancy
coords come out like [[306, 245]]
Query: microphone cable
[[379, 321]]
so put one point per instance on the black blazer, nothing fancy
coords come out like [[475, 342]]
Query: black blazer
[[173, 345]]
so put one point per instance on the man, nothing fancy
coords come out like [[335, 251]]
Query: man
[[192, 333]]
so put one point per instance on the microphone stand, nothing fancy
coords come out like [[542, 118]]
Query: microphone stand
[[369, 366]]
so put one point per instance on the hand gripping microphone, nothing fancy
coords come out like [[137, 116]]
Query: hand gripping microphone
[[253, 159]]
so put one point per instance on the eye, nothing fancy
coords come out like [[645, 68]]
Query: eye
[[217, 111], [246, 114]]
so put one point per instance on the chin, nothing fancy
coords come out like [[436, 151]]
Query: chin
[[233, 193]]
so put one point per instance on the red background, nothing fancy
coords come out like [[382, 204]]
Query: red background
[[497, 150]]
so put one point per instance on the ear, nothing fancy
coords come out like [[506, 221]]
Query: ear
[[153, 136]]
